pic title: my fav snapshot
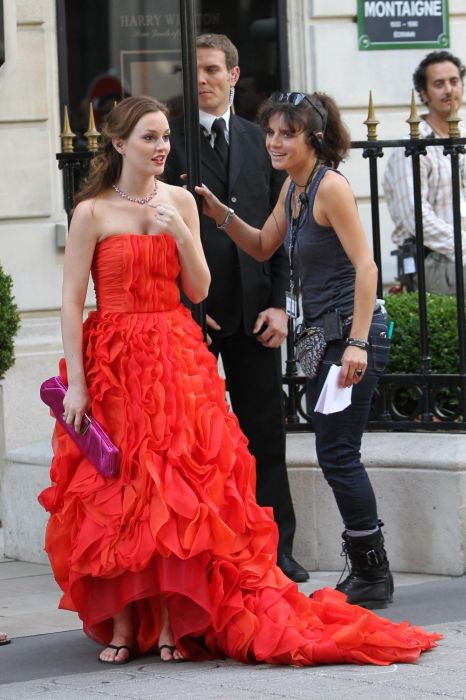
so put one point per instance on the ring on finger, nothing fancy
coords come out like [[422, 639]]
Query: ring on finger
[[359, 372]]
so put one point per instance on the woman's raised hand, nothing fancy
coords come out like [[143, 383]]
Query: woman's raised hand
[[167, 219], [211, 205]]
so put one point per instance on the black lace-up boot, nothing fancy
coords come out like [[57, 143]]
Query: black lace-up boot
[[370, 583]]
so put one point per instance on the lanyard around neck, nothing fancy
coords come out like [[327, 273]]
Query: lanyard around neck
[[295, 221]]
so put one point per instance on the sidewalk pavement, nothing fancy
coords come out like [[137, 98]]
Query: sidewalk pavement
[[50, 657]]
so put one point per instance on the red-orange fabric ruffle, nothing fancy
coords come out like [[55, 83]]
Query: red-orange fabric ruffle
[[181, 518]]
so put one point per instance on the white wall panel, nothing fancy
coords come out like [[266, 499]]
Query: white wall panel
[[29, 255], [28, 194], [334, 8], [457, 7], [34, 11], [24, 92]]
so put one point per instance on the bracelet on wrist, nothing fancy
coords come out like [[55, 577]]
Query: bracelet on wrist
[[358, 343], [228, 217]]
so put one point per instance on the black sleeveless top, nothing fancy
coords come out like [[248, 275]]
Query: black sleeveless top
[[326, 275]]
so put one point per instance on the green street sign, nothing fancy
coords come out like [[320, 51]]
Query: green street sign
[[403, 24]]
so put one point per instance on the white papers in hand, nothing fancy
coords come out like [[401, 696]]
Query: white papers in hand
[[333, 397]]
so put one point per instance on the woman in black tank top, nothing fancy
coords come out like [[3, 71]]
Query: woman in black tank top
[[317, 219]]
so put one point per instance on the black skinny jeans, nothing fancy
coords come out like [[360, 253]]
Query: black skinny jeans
[[338, 435]]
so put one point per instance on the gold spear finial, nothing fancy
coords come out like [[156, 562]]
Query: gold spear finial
[[92, 134], [67, 135], [371, 121], [453, 119], [413, 120]]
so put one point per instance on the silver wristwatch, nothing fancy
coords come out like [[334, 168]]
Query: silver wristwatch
[[227, 220]]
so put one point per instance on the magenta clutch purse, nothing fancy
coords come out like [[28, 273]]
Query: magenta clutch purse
[[93, 441]]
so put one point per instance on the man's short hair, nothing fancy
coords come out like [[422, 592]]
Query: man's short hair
[[420, 74], [222, 43]]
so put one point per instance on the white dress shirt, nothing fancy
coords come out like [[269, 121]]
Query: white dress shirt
[[206, 120]]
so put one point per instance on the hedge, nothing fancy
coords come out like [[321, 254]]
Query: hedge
[[9, 323], [443, 350], [403, 310]]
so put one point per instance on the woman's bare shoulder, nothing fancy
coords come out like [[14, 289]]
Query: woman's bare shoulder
[[333, 184], [95, 207], [179, 196], [85, 209], [89, 215], [332, 175]]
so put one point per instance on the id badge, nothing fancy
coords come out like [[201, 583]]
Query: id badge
[[291, 305]]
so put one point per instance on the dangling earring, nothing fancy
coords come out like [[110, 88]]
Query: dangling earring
[[232, 95]]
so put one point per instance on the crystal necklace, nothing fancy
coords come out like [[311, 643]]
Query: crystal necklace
[[138, 200]]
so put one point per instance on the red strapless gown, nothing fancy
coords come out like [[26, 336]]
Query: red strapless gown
[[181, 518]]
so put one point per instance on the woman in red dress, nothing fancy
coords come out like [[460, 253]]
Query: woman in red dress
[[174, 553]]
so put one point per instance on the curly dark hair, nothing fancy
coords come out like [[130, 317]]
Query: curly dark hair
[[105, 167], [318, 113], [420, 74]]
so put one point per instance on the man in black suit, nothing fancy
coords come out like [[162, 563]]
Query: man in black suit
[[245, 307]]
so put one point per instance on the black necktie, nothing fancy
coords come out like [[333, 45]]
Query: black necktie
[[220, 143]]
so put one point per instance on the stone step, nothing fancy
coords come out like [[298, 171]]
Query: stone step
[[38, 349], [26, 474], [419, 481]]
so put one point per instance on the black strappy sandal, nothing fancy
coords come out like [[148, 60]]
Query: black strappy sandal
[[117, 649], [171, 648]]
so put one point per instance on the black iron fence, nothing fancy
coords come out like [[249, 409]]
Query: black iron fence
[[414, 401]]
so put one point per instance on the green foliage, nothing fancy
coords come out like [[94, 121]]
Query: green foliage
[[9, 323], [403, 309]]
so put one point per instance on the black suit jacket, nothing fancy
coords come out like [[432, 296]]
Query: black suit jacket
[[241, 287]]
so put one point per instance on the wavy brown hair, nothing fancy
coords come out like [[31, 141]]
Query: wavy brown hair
[[318, 113], [105, 167]]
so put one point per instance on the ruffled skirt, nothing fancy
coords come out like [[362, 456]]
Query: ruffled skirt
[[181, 519]]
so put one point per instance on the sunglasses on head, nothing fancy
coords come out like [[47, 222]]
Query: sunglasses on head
[[296, 98]]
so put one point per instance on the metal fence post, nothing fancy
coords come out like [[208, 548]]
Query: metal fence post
[[191, 117], [454, 150]]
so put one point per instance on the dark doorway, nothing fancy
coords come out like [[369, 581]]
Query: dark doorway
[[112, 48]]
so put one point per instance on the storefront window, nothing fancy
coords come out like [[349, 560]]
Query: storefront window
[[113, 48]]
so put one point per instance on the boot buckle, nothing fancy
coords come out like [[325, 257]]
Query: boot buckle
[[373, 557]]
